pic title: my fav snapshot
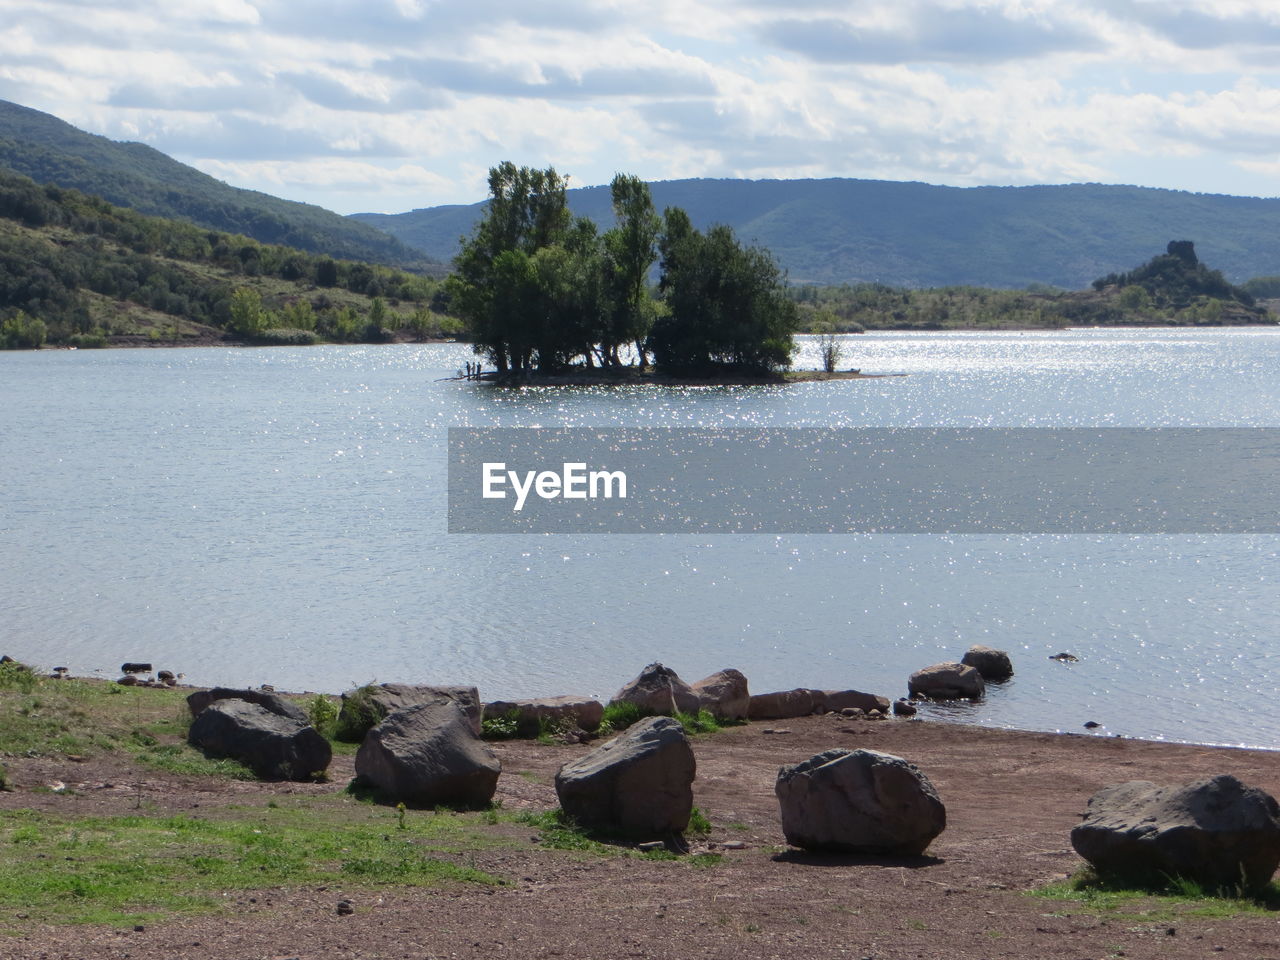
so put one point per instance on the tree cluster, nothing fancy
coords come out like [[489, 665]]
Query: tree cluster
[[542, 290], [1176, 278]]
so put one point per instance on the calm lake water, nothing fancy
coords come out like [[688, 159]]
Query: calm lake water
[[278, 516]]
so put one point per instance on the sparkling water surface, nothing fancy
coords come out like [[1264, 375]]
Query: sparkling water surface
[[277, 515]]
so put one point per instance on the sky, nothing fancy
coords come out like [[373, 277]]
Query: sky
[[391, 105]]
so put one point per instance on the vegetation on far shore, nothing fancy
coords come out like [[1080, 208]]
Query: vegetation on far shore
[[77, 271]]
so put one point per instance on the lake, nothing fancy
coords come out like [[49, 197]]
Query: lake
[[248, 516]]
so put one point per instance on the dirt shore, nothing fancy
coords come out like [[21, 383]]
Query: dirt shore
[[1012, 798]]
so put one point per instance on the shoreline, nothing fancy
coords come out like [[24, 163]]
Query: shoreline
[[989, 887]]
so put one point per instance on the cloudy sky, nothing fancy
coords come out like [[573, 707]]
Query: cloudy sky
[[387, 105]]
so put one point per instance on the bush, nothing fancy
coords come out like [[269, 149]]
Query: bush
[[620, 714], [21, 332], [703, 721], [88, 341], [322, 714], [358, 716], [286, 337], [17, 676], [503, 727]]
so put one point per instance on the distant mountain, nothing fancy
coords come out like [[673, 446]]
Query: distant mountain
[[48, 150], [918, 235]]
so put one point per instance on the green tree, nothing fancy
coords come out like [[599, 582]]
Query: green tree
[[299, 315], [728, 304], [248, 318], [21, 332], [527, 211], [631, 247]]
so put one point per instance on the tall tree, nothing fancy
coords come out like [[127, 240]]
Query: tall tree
[[631, 248], [527, 211]]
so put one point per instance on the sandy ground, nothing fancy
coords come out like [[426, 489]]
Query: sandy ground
[[1011, 798]]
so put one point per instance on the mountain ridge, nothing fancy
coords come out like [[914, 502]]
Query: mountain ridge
[[134, 175], [913, 234]]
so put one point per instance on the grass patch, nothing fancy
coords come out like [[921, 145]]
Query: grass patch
[[1158, 902], [130, 869], [620, 714]]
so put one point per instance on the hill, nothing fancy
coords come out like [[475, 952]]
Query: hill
[[76, 270], [49, 150], [917, 235]]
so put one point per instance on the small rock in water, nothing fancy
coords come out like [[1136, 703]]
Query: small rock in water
[[1065, 658], [135, 667], [1092, 725], [167, 678], [904, 708]]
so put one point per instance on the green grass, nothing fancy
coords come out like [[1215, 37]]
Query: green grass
[[130, 869], [1176, 897]]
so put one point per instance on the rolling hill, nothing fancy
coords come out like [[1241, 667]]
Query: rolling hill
[[918, 235], [49, 150]]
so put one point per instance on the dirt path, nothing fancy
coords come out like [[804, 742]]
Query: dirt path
[[1011, 799]]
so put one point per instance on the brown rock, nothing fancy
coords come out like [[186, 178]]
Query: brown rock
[[724, 694], [582, 711]]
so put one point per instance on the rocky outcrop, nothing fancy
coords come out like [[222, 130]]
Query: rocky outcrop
[[804, 701], [994, 665], [428, 754], [859, 801], [274, 746], [660, 690], [529, 714], [947, 681], [201, 699], [1218, 832], [639, 783], [724, 694], [837, 700], [365, 707], [785, 704]]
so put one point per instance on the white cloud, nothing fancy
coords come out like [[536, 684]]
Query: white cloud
[[409, 101]]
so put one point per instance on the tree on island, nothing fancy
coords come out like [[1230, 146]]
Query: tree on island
[[542, 291]]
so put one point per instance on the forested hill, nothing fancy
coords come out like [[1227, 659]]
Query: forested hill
[[134, 175], [917, 235]]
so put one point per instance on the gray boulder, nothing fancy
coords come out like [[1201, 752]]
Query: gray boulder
[[429, 754], [724, 694], [640, 782], [275, 747], [859, 801], [838, 700], [365, 707], [658, 689], [947, 681], [994, 665], [785, 704], [1217, 832], [583, 711], [202, 699]]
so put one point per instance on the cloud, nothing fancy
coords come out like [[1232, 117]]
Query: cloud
[[928, 34], [1195, 29]]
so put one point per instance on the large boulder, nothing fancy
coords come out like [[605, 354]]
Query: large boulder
[[947, 681], [365, 707], [859, 801], [658, 689], [1217, 832], [785, 704], [640, 782], [583, 711], [994, 665], [429, 754], [724, 695], [275, 747], [273, 703]]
